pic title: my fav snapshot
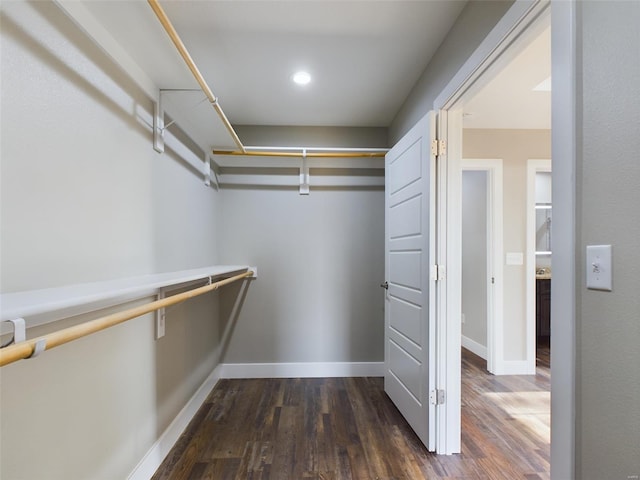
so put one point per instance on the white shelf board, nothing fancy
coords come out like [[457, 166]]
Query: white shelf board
[[194, 114], [38, 307]]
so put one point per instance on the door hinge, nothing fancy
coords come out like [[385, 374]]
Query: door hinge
[[438, 147], [437, 272], [436, 397]]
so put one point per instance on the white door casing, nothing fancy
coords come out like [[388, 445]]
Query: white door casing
[[410, 296]]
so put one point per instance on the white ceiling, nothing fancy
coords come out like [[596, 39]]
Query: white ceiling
[[508, 100], [364, 56]]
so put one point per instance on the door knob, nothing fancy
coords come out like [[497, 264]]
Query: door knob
[[385, 285]]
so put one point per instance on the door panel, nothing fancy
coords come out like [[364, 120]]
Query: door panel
[[406, 169], [405, 317], [405, 367], [405, 269], [405, 219], [410, 298]]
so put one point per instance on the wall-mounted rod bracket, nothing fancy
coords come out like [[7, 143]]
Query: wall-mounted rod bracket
[[304, 174], [19, 332], [207, 170], [160, 316], [39, 347], [159, 126]]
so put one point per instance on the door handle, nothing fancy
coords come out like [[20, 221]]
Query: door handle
[[385, 285]]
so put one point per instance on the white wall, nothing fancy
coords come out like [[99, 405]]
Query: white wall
[[515, 147], [84, 197], [608, 201], [474, 259]]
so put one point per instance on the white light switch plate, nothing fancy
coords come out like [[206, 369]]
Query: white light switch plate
[[599, 263], [515, 258]]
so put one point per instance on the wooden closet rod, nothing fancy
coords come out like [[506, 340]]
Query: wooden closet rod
[[258, 153], [26, 349], [175, 38]]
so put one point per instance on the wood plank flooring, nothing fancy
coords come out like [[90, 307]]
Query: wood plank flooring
[[348, 429]]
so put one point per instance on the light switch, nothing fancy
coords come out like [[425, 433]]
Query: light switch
[[599, 263], [515, 258]]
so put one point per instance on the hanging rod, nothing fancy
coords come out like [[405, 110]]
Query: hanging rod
[[301, 153], [35, 346], [175, 38], [319, 149]]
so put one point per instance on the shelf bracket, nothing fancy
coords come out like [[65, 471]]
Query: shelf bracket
[[19, 331], [304, 174], [158, 125], [160, 317], [207, 170]]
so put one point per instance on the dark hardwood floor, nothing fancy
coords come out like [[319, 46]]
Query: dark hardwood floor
[[347, 428]]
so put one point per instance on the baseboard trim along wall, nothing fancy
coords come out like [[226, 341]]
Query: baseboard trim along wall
[[161, 448], [474, 347], [515, 367], [302, 370]]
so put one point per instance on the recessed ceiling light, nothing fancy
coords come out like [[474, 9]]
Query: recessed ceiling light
[[301, 78]]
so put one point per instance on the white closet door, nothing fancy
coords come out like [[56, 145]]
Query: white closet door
[[410, 296]]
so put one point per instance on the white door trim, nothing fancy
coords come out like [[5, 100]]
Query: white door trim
[[563, 289], [495, 236], [449, 305], [533, 166], [564, 93]]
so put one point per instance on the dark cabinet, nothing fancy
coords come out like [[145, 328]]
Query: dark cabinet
[[543, 308]]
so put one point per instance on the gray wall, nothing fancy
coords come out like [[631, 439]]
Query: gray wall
[[472, 26], [320, 260], [474, 256], [348, 137], [608, 196], [84, 197]]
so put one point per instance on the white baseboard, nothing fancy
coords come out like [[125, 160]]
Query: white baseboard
[[160, 449], [474, 347], [301, 370], [515, 367]]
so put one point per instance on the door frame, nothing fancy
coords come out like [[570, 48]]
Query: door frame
[[533, 166], [564, 149], [495, 236]]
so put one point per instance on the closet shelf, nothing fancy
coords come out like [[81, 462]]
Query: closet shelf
[[42, 306]]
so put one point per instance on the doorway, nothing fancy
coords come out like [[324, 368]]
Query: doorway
[[482, 251], [515, 23], [517, 28]]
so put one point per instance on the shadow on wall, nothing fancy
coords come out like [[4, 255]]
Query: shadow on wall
[[92, 80], [232, 300]]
